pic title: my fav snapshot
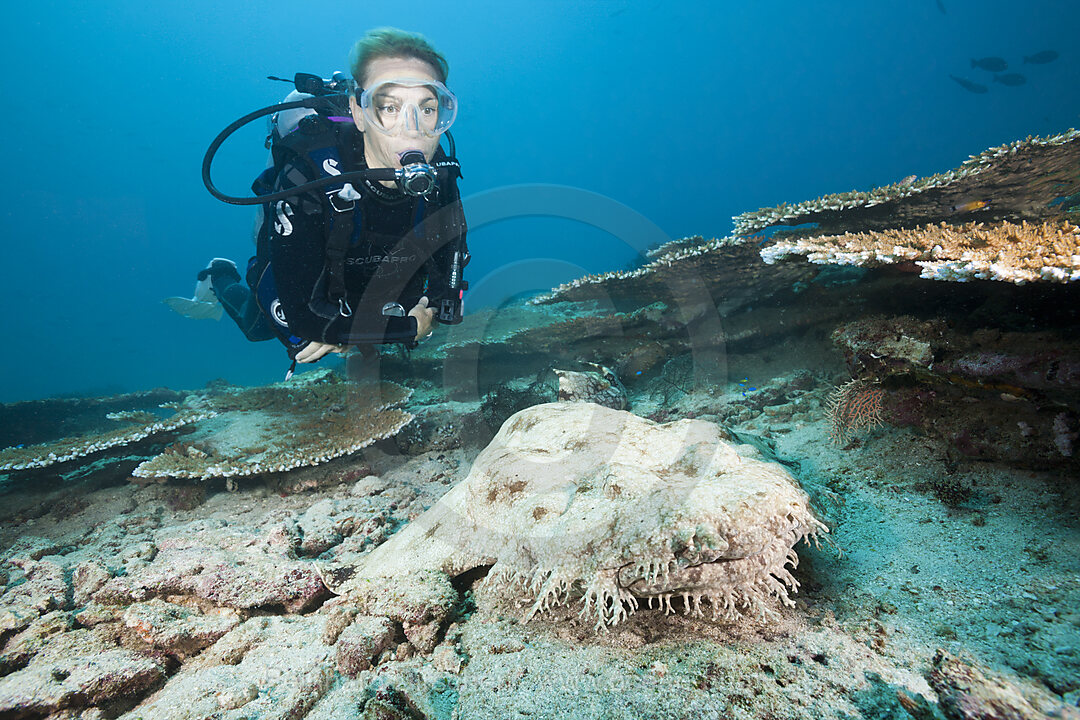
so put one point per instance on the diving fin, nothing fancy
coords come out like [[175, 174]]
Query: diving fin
[[203, 306]]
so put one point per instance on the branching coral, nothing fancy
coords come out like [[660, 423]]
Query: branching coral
[[852, 407], [1013, 252], [576, 501]]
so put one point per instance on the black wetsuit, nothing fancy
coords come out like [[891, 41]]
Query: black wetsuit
[[396, 253]]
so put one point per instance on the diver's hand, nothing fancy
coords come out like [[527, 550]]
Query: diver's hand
[[315, 351], [424, 318]]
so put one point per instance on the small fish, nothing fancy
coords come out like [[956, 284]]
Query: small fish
[[971, 206], [990, 64], [970, 86], [941, 7], [1010, 79], [908, 180], [1041, 58]]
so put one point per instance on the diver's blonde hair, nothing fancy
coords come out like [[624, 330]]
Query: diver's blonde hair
[[391, 42]]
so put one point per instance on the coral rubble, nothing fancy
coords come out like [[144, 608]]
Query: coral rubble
[[576, 500]]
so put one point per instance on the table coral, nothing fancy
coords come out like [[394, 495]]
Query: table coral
[[1012, 252], [284, 426], [1023, 179], [689, 274], [58, 451], [574, 500], [314, 418]]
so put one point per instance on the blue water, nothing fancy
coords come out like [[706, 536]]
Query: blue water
[[686, 115]]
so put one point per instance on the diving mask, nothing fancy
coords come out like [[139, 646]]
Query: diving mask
[[408, 105]]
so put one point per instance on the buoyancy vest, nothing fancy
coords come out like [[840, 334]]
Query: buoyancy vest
[[324, 147]]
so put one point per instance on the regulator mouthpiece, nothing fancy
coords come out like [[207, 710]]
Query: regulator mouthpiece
[[416, 177]]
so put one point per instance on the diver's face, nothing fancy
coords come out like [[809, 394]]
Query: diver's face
[[380, 149]]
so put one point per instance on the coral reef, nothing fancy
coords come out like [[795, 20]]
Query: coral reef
[[573, 499], [724, 271], [284, 426], [1010, 252], [1007, 396], [239, 431], [1021, 180], [63, 450], [392, 584]]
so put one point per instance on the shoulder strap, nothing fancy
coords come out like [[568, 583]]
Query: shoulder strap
[[342, 210], [326, 148]]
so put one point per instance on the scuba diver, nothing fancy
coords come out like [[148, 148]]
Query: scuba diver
[[361, 234]]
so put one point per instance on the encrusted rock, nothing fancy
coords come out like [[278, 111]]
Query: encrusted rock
[[967, 691], [267, 668], [323, 525], [31, 547], [22, 647], [362, 641], [202, 560], [424, 636], [236, 695], [46, 587], [79, 681], [176, 629], [420, 601], [87, 579], [368, 486], [447, 659]]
